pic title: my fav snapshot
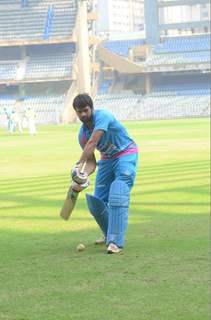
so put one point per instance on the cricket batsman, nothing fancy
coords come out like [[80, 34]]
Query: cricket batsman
[[116, 170]]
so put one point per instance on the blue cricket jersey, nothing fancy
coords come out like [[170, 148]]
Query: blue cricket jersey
[[115, 141]]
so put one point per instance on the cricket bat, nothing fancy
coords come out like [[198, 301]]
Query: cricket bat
[[70, 201], [69, 204]]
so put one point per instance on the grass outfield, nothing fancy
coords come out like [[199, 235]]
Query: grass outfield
[[163, 273]]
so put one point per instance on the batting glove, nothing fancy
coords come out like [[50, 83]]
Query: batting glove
[[80, 187], [78, 176]]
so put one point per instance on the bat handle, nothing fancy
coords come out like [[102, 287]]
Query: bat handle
[[83, 167]]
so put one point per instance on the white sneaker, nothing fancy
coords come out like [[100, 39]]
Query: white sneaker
[[100, 241], [113, 248]]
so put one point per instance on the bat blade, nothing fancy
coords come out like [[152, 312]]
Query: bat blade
[[72, 196], [69, 204]]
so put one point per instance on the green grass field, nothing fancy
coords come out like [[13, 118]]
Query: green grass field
[[163, 273]]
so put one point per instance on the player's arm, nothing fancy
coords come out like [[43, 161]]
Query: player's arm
[[90, 165], [80, 173], [90, 146]]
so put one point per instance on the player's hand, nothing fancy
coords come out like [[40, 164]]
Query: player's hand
[[78, 176], [80, 187]]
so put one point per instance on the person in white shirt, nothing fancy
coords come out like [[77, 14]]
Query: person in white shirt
[[30, 116]]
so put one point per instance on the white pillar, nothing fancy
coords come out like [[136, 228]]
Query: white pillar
[[83, 49], [131, 16]]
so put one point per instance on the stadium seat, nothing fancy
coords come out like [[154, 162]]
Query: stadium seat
[[47, 107], [137, 107], [184, 44], [29, 22]]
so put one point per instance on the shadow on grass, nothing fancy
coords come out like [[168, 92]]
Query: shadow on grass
[[154, 170], [59, 186], [179, 189], [177, 165], [151, 225]]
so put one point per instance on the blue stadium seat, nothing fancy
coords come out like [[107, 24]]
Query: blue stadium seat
[[184, 44], [58, 66], [178, 58], [29, 22], [8, 70], [104, 86], [47, 107], [137, 107]]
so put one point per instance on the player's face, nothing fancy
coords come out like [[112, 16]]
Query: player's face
[[85, 114]]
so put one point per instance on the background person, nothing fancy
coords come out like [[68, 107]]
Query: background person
[[30, 116], [8, 112]]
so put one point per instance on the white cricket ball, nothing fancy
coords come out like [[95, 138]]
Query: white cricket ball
[[80, 247]]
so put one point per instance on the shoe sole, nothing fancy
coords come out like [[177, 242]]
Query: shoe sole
[[111, 252]]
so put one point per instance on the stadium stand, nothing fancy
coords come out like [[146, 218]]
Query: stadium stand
[[136, 107], [52, 66], [121, 105], [40, 62], [172, 107], [8, 70], [178, 96], [104, 86], [181, 50], [178, 58], [45, 70], [178, 50], [179, 91], [194, 84], [48, 108], [184, 95], [31, 21], [184, 44], [50, 62]]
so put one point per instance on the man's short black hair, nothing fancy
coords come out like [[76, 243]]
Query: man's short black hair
[[82, 100]]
